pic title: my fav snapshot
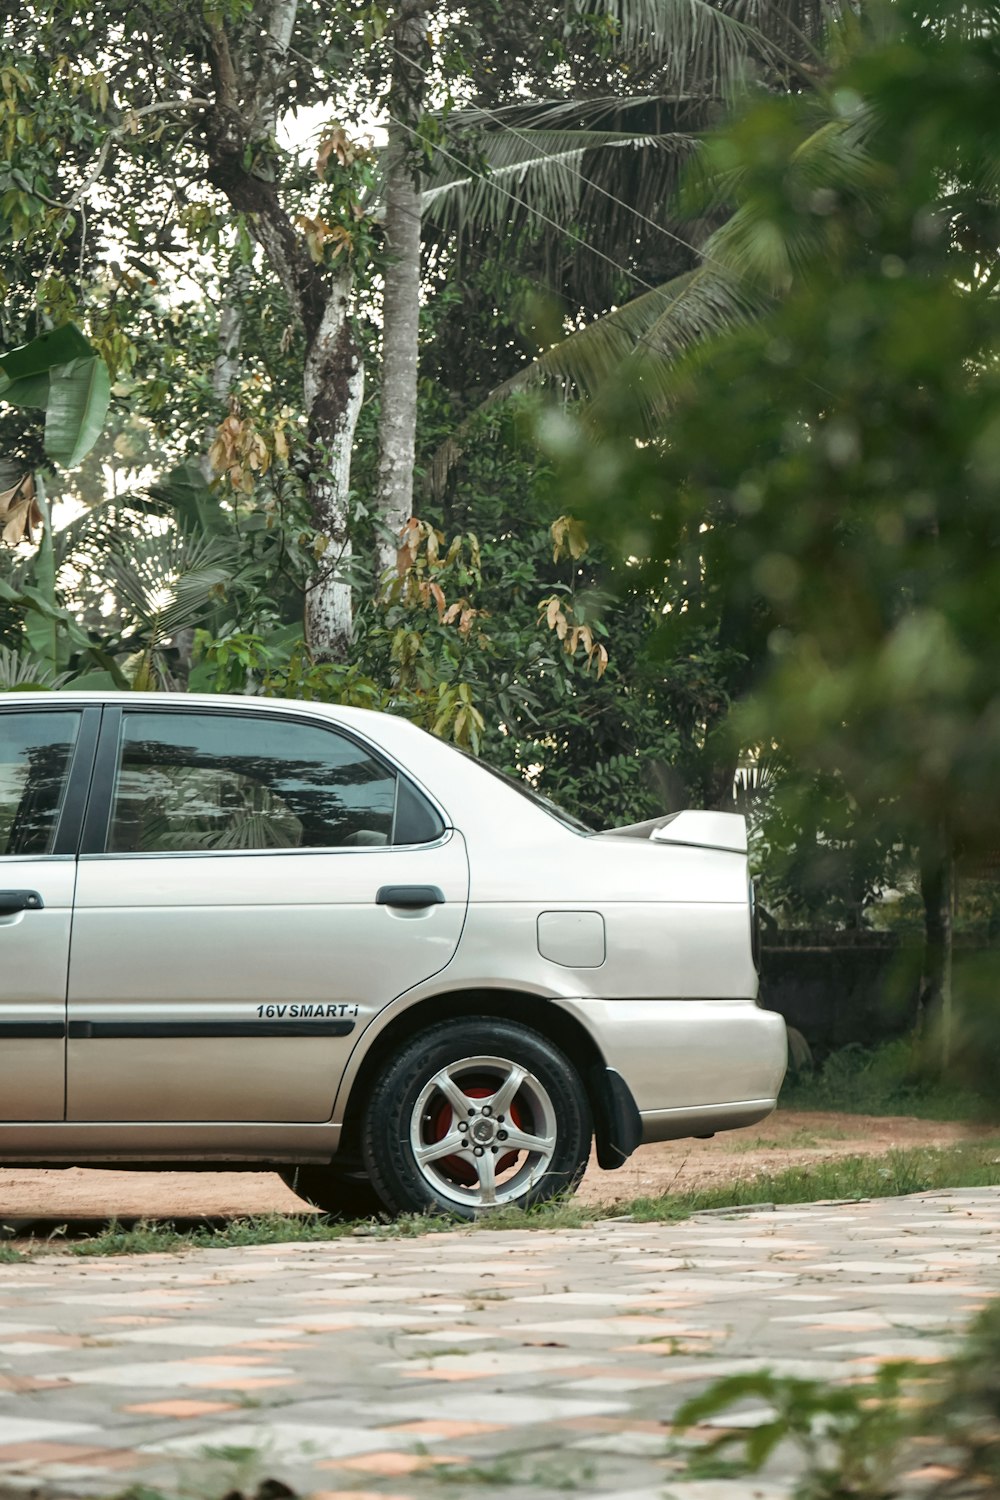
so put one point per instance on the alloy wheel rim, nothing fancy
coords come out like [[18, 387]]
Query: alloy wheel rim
[[483, 1132]]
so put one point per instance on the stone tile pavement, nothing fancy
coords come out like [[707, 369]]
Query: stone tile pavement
[[528, 1362]]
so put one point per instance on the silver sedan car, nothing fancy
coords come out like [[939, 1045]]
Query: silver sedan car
[[248, 931]]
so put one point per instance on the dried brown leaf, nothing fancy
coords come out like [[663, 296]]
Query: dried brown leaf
[[19, 512]]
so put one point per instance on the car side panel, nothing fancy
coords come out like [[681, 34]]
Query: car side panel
[[34, 957], [228, 987], [653, 950]]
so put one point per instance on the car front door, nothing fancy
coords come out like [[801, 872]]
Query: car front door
[[46, 757], [253, 888]]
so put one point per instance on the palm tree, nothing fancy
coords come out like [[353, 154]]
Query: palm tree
[[582, 187]]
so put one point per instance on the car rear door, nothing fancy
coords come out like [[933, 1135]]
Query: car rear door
[[46, 757], [254, 886]]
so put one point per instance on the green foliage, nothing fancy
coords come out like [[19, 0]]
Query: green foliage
[[589, 738], [895, 1174], [455, 640], [821, 862], [828, 475], [20, 672], [857, 1441], [94, 102], [975, 912], [893, 1079], [967, 1413], [892, 1175], [64, 375]]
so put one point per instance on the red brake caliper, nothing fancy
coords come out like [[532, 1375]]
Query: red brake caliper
[[460, 1167]]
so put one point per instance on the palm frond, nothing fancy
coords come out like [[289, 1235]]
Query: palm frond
[[21, 671], [651, 332], [703, 44], [169, 582], [559, 113], [526, 173], [792, 26]]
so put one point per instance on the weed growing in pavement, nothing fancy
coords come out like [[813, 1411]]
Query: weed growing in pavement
[[516, 1471], [427, 1356], [226, 1472], [975, 1164], [228, 1453], [152, 1236]]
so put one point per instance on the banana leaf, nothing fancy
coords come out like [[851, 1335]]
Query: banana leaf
[[60, 347], [79, 394], [62, 374]]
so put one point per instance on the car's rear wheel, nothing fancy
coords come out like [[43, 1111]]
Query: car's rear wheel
[[339, 1194], [475, 1115]]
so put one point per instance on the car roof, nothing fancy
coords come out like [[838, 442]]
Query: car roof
[[347, 713]]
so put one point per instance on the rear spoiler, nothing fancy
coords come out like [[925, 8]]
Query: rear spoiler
[[701, 830]]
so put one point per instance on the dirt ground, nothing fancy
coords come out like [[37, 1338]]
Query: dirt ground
[[789, 1138]]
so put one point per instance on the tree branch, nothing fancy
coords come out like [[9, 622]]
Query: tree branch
[[229, 132], [116, 133]]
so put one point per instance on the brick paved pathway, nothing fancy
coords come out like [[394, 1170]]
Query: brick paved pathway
[[528, 1362]]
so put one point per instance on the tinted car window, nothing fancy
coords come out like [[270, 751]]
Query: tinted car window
[[35, 751], [188, 782]]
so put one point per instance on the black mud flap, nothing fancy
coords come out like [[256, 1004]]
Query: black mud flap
[[617, 1122]]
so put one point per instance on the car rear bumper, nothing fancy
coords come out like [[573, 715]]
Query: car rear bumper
[[692, 1066]]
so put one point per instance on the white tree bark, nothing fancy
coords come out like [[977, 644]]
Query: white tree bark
[[333, 389], [226, 367], [275, 44], [401, 299]]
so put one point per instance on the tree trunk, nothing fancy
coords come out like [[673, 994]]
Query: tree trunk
[[401, 299], [226, 366], [320, 295], [333, 388], [937, 877]]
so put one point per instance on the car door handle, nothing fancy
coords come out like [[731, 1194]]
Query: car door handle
[[411, 896], [12, 901]]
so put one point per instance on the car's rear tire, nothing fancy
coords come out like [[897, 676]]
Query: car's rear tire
[[338, 1194], [474, 1115]]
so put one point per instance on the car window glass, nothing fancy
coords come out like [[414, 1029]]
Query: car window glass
[[188, 782], [35, 751]]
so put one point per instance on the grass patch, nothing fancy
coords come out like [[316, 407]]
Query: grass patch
[[892, 1175], [889, 1080], [803, 1139], [851, 1177]]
